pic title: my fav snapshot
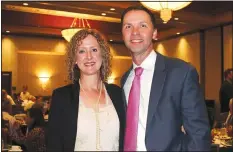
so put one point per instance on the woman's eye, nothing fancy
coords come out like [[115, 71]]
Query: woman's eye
[[94, 50], [81, 51]]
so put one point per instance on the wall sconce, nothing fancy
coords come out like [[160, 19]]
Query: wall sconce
[[111, 80], [43, 80]]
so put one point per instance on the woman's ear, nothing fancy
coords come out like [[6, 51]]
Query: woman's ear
[[76, 66]]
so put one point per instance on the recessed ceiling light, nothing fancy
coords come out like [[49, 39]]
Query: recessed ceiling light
[[112, 9], [103, 14], [7, 31], [25, 4], [176, 18], [111, 40], [178, 33]]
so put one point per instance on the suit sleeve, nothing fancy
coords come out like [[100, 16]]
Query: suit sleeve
[[194, 113], [54, 132]]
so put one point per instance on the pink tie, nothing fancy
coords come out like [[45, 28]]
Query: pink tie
[[130, 143]]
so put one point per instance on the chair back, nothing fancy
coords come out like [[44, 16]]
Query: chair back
[[210, 105], [17, 109]]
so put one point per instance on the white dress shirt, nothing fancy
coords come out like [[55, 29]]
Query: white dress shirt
[[10, 100], [146, 80]]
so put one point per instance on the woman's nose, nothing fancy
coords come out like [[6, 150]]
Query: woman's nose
[[89, 54]]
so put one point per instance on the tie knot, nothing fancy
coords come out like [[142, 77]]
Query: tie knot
[[138, 71]]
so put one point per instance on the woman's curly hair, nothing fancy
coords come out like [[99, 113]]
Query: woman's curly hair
[[73, 70]]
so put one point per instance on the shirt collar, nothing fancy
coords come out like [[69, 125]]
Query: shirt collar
[[147, 63]]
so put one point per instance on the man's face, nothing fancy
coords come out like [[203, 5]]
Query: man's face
[[231, 75], [25, 88], [138, 31]]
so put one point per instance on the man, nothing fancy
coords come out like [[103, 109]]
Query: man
[[18, 100], [229, 120], [25, 95], [6, 103], [226, 90], [39, 103], [7, 97], [161, 93]]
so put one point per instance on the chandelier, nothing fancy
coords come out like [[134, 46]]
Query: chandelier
[[76, 26], [166, 7]]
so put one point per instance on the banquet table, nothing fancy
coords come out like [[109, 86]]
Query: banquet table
[[221, 141]]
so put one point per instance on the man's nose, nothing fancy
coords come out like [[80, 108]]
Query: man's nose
[[135, 31]]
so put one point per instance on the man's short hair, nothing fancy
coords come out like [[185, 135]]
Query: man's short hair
[[228, 71], [138, 8]]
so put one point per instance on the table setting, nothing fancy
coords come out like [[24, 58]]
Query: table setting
[[222, 137]]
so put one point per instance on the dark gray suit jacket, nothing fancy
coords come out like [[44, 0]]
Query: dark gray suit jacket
[[175, 100]]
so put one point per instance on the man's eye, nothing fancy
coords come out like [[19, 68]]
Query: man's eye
[[127, 26], [143, 25]]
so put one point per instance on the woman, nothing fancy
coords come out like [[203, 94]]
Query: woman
[[34, 140], [88, 114]]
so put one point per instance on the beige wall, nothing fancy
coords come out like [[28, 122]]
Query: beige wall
[[26, 57], [186, 48], [121, 61], [227, 39], [32, 66], [30, 57], [213, 65], [119, 67], [119, 50], [9, 58]]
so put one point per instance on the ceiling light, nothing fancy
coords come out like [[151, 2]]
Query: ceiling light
[[25, 4], [103, 14], [165, 7], [178, 33], [176, 18], [74, 28], [112, 9], [7, 31], [111, 40]]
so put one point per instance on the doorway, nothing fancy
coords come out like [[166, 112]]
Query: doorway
[[7, 81]]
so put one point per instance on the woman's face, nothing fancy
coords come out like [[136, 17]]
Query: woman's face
[[89, 56]]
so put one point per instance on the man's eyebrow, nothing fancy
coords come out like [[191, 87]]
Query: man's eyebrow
[[126, 23]]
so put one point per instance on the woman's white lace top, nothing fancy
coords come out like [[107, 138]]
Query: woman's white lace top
[[86, 128]]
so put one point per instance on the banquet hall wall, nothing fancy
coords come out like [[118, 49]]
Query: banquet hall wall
[[27, 57]]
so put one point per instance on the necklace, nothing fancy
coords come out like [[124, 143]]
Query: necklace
[[96, 115]]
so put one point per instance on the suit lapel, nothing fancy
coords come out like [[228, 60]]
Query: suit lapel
[[123, 80], [75, 96], [125, 76], [156, 87], [73, 114]]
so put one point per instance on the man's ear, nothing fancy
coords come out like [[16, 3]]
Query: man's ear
[[155, 34]]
